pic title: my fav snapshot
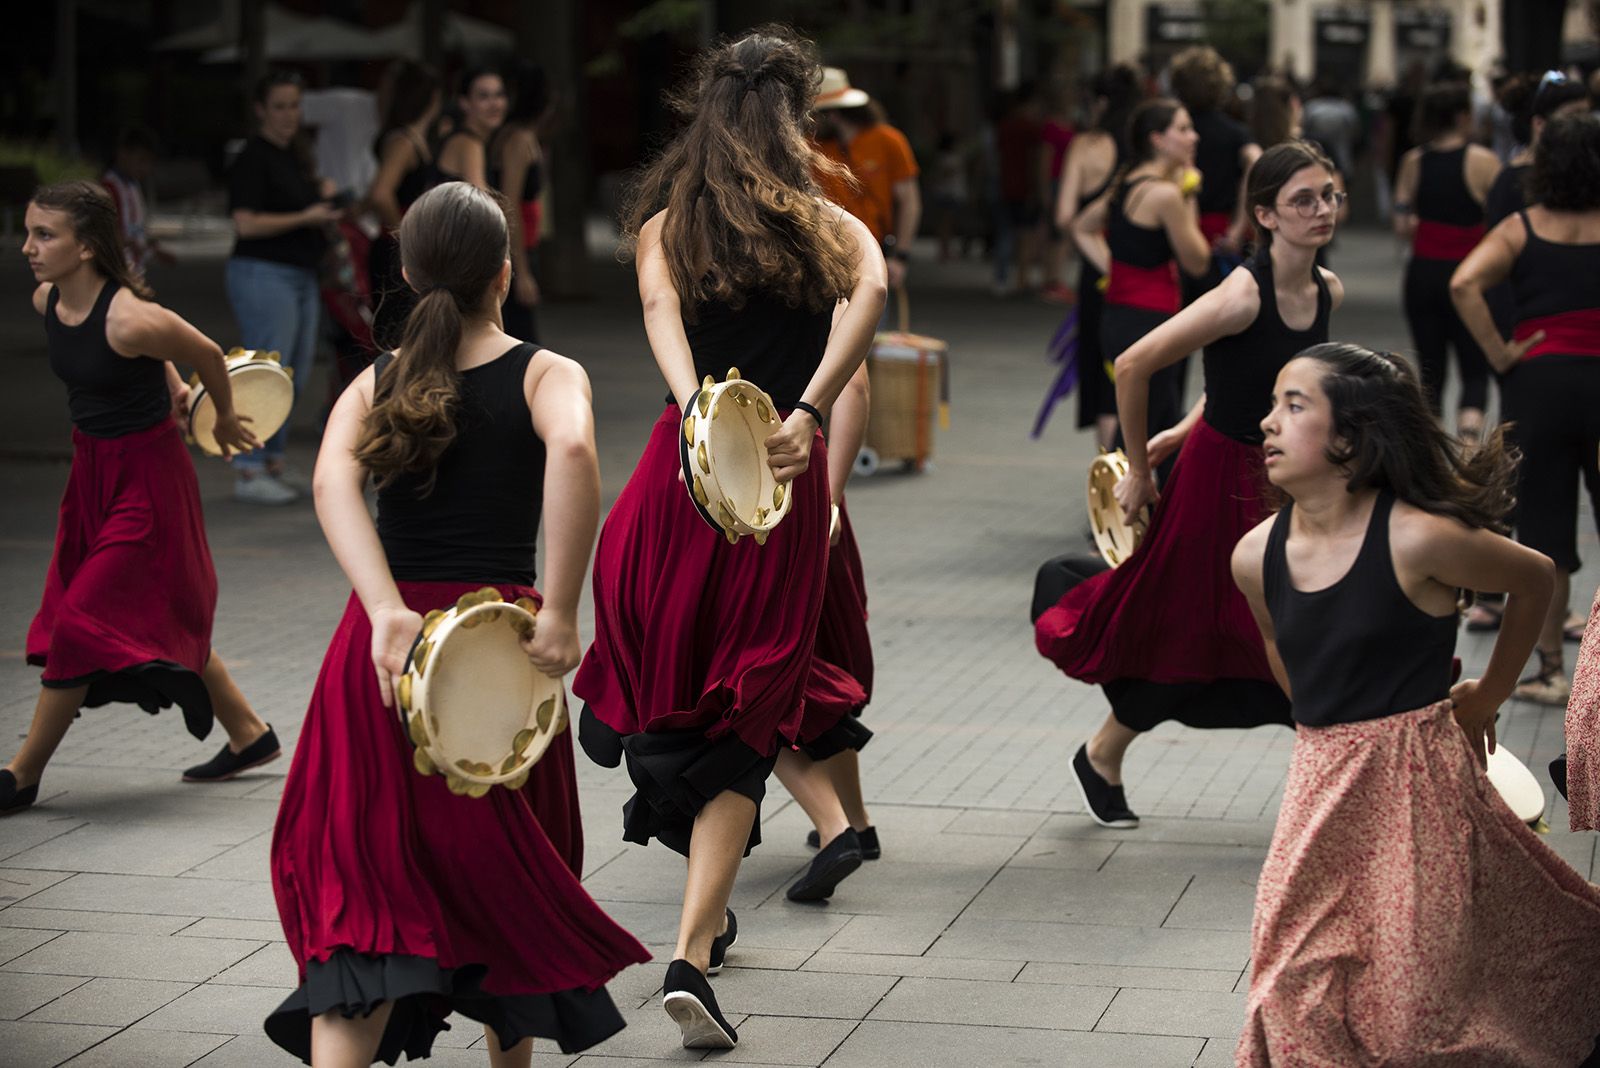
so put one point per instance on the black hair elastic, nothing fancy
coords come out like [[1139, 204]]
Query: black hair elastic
[[802, 406]]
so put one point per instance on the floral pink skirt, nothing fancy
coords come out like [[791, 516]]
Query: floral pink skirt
[[1583, 731], [1405, 917]]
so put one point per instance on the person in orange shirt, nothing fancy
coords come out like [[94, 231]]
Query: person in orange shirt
[[851, 130]]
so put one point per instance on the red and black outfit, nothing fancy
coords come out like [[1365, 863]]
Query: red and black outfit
[[1449, 224], [1097, 394], [1168, 634], [703, 650], [130, 594], [1552, 397], [391, 888]]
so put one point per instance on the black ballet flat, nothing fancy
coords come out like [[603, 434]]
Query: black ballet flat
[[722, 943], [688, 999], [226, 764], [828, 868], [13, 799], [1558, 774], [870, 849], [1107, 804]]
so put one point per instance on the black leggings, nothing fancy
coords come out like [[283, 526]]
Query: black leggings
[[1553, 404], [1435, 327]]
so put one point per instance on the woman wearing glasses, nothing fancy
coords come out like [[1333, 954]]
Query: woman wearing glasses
[[1117, 628]]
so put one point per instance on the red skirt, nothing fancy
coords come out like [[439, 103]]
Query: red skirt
[[1406, 917], [131, 592], [1171, 613], [693, 634], [841, 669], [391, 888]]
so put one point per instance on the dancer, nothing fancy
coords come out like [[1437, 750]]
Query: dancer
[[1439, 198], [130, 594], [406, 170], [1204, 82], [519, 165], [1116, 627], [1381, 931], [1092, 160], [400, 900], [464, 155], [702, 649], [1551, 390], [1140, 231]]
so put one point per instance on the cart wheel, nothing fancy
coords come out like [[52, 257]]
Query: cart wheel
[[866, 462]]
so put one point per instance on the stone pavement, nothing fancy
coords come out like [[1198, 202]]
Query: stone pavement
[[137, 925]]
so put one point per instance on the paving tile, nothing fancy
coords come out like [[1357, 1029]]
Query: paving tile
[[29, 1045], [1118, 975], [1065, 896], [920, 1045], [1217, 903], [121, 850], [1090, 944], [785, 925], [272, 966], [229, 898], [997, 971], [15, 941], [111, 1002], [591, 1060], [20, 993], [964, 1001], [651, 1035], [212, 927], [1083, 854], [1201, 1013], [27, 831], [785, 1040], [17, 883], [1179, 859], [249, 862], [122, 956], [77, 920], [243, 1051], [997, 822], [1217, 1054], [812, 994], [886, 889], [147, 1049], [216, 1008], [784, 960], [900, 935]]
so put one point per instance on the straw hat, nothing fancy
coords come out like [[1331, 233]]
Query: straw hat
[[836, 91]]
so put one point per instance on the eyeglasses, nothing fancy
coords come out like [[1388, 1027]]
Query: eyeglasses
[[1306, 203]]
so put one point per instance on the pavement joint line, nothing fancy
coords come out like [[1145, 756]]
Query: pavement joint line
[[1181, 894]]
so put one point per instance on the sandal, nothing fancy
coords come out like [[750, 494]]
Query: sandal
[[1484, 617], [1549, 686]]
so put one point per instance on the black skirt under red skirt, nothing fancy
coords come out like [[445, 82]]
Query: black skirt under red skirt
[[129, 598], [392, 889]]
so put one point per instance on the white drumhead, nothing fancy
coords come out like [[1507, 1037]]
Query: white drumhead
[[738, 457], [1516, 784], [261, 390]]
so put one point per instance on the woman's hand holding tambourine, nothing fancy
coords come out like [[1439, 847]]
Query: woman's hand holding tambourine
[[394, 631], [1135, 491], [233, 436], [1475, 712], [553, 646], [789, 450]]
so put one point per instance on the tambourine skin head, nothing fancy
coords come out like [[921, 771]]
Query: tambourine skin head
[[262, 390], [1114, 537]]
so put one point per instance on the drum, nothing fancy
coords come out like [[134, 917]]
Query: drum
[[1114, 536], [723, 453], [1517, 786], [474, 706], [262, 390]]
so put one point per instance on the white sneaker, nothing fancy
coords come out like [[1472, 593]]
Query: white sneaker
[[291, 478], [262, 489]]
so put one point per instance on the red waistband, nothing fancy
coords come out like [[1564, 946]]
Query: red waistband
[[1573, 333], [532, 217], [1151, 288], [1214, 224], [1445, 241]]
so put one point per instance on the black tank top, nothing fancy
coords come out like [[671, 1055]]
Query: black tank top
[[1551, 278], [1442, 194], [419, 179], [773, 345], [1359, 649], [1222, 138], [1240, 370], [108, 395], [1506, 197], [1130, 243], [480, 521]]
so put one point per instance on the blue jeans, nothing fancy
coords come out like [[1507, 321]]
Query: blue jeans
[[277, 306]]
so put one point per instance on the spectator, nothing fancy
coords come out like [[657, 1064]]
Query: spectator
[[1057, 131], [1275, 110], [519, 159], [406, 170], [950, 192], [464, 154], [1332, 121], [131, 165]]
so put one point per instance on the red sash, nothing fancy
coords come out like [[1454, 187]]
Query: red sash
[[1445, 241], [1215, 224], [1573, 333], [1151, 288]]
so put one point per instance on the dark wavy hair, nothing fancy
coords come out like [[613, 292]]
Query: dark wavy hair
[[1201, 78], [1272, 172], [1122, 88], [453, 243], [410, 89], [1386, 437], [93, 215], [1441, 105], [1566, 165], [1272, 109], [1148, 117], [743, 211]]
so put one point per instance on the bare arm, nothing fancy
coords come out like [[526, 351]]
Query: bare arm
[[1335, 288], [1405, 194], [1487, 265], [907, 212], [1089, 232], [663, 314], [1482, 167], [464, 155], [1239, 228], [399, 155], [252, 224], [847, 429], [515, 159], [1248, 561], [1180, 217]]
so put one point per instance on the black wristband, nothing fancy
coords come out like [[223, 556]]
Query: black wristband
[[802, 406]]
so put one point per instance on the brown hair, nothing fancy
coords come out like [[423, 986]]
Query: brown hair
[[1149, 117], [743, 213], [1272, 172], [94, 223], [1272, 109], [453, 244], [1201, 78]]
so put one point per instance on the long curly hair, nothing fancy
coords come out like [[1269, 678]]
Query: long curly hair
[[743, 210], [1386, 437]]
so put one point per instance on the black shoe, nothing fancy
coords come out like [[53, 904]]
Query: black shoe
[[1558, 774], [688, 1000], [1107, 804], [226, 764], [11, 798], [828, 868], [869, 842], [722, 943]]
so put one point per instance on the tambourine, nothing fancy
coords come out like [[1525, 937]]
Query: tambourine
[[472, 703], [262, 390], [1517, 787], [723, 453], [1114, 536]]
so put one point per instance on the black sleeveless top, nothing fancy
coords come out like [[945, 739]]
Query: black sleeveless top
[[480, 521], [1240, 370], [1506, 196], [419, 179], [1222, 138], [1130, 243], [1359, 649], [1442, 194], [108, 395], [1552, 277], [491, 169], [773, 345]]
